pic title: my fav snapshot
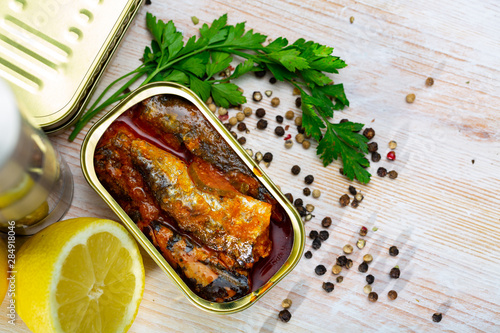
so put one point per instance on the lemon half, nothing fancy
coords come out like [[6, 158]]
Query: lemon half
[[80, 275]]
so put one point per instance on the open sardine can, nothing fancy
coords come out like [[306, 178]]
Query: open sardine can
[[287, 235]]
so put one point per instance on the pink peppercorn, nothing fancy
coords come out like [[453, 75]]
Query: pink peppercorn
[[391, 156]]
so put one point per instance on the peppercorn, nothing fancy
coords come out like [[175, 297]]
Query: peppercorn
[[391, 156], [336, 269], [359, 197], [258, 156], [298, 121], [320, 270], [279, 131], [393, 174], [240, 116], [275, 101], [222, 111], [410, 98], [393, 144], [316, 244], [328, 287], [288, 144], [381, 172], [289, 115], [285, 315], [260, 74], [392, 294], [262, 124], [279, 119], [241, 127], [286, 303], [301, 210], [429, 82], [363, 267], [306, 144], [260, 112], [268, 157], [296, 91], [369, 133], [393, 251], [316, 194], [257, 96], [242, 140], [351, 19], [233, 121], [373, 296], [298, 202], [340, 279], [228, 126], [376, 157], [272, 80], [326, 222], [306, 191], [212, 107], [308, 255], [313, 234], [370, 278], [247, 111], [295, 170], [309, 179], [341, 261], [437, 317], [308, 217], [372, 147], [310, 208], [344, 200], [368, 258], [341, 171], [395, 272], [298, 102], [349, 263], [268, 93], [299, 138], [352, 190], [289, 197], [234, 135], [301, 129], [355, 203], [343, 121], [347, 249], [361, 243], [363, 231], [367, 289], [323, 235], [249, 152]]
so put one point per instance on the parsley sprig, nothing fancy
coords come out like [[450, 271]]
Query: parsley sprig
[[303, 64]]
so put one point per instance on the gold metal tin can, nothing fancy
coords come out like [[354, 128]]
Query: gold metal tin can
[[87, 162], [54, 52]]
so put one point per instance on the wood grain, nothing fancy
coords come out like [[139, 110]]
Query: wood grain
[[442, 212]]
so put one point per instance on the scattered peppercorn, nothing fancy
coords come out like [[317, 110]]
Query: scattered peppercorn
[[347, 249], [355, 203], [262, 124], [368, 258], [429, 82], [268, 93], [308, 217], [393, 144], [336, 269], [326, 222], [323, 235], [410, 98], [298, 121], [308, 255], [313, 234], [437, 317], [349, 263], [393, 251], [148, 2], [258, 156], [391, 156], [340, 279], [381, 172], [320, 270], [240, 116], [373, 296], [372, 147], [344, 200], [363, 231], [367, 289], [257, 96], [249, 152], [316, 194], [298, 102], [234, 135], [299, 138], [376, 157], [395, 272], [298, 202], [370, 278], [351, 19], [296, 91], [306, 144], [260, 112], [279, 131], [341, 261], [310, 208], [343, 121], [272, 80], [363, 267], [242, 140], [392, 294], [268, 157], [369, 133], [361, 243], [285, 315], [393, 174], [295, 170], [275, 101], [306, 191], [288, 144], [309, 179], [328, 287], [260, 74], [228, 126], [352, 190], [289, 197], [301, 210], [279, 119], [247, 111], [241, 127], [286, 303], [316, 244], [222, 111], [289, 115], [301, 129], [233, 121]]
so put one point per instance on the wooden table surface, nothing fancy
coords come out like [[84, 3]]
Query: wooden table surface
[[442, 212]]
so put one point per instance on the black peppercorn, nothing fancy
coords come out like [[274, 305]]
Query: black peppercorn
[[301, 130], [285, 316], [272, 80], [309, 179], [393, 251], [242, 127], [369, 133], [376, 157], [316, 244], [306, 191], [260, 73], [323, 235], [344, 200], [320, 270], [234, 134], [308, 255], [242, 140], [348, 263], [327, 222], [289, 196], [268, 157], [370, 278], [355, 203], [382, 172], [352, 190], [341, 171], [395, 272], [298, 102], [302, 211], [279, 119], [341, 261], [328, 287], [228, 126], [279, 131], [262, 124], [393, 174], [343, 121], [372, 147], [298, 202], [313, 234], [373, 296], [363, 267], [437, 317], [260, 112], [295, 169]]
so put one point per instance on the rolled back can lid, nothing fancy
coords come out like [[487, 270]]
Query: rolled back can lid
[[10, 123]]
